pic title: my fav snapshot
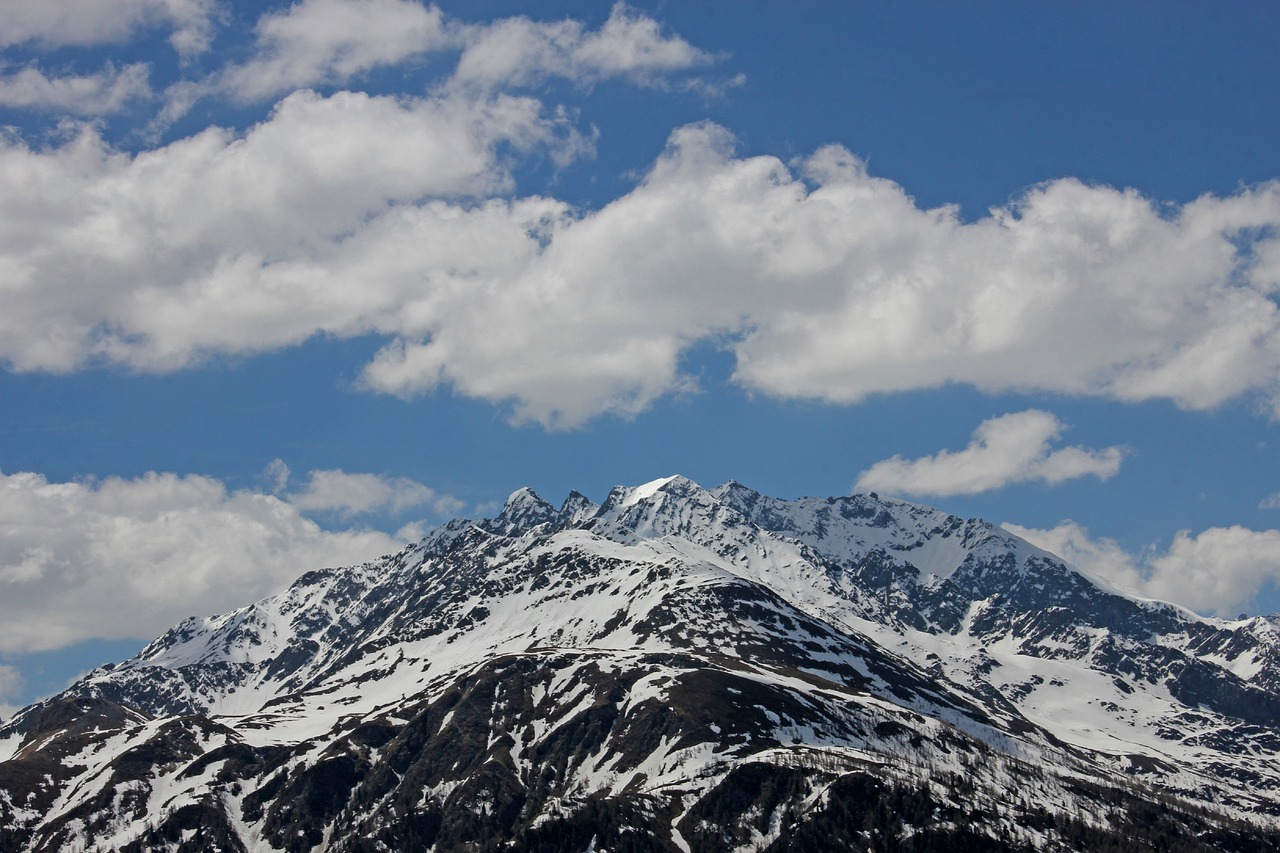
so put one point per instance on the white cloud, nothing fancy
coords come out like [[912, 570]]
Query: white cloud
[[106, 92], [322, 42], [11, 684], [120, 558], [358, 494], [277, 475], [521, 52], [128, 557], [833, 285], [226, 243], [1222, 567], [340, 216], [330, 41], [1271, 501], [1220, 570], [50, 23], [1013, 448], [1102, 559]]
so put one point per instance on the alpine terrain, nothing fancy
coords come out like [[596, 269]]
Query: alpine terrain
[[675, 669]]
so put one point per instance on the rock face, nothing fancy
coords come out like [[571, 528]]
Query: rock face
[[676, 669]]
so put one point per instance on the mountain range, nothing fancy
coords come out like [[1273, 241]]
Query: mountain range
[[674, 669]]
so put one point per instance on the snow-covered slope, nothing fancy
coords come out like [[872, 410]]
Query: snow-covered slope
[[700, 669]]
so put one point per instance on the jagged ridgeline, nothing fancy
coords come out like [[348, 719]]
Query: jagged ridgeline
[[676, 669]]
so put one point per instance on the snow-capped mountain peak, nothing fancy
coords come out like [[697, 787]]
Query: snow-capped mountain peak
[[523, 510], [665, 652]]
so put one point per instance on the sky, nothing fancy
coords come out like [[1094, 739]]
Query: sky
[[285, 285]]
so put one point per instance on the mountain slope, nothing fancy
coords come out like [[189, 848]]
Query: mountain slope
[[674, 669]]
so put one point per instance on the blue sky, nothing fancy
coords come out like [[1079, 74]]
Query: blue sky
[[287, 284]]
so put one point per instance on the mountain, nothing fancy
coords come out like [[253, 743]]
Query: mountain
[[675, 669]]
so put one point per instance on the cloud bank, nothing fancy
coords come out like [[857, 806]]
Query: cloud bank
[[351, 214], [347, 214], [1013, 448], [123, 558]]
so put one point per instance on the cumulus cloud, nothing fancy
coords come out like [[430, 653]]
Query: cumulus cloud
[[521, 52], [324, 42], [352, 215], [1221, 570], [106, 92], [227, 243], [831, 284], [330, 41], [51, 23], [1013, 448], [357, 494], [117, 558]]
